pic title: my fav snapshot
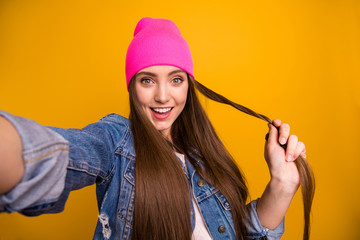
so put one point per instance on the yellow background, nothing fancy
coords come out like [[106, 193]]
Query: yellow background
[[62, 64]]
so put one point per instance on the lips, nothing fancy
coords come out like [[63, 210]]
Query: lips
[[161, 113]]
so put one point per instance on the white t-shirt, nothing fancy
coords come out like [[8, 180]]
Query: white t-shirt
[[200, 231]]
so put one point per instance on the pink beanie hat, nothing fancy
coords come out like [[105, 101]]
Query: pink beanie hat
[[157, 42]]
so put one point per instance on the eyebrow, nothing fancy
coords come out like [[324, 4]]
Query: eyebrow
[[154, 75]]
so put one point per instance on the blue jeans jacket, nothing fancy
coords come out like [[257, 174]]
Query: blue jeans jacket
[[60, 160]]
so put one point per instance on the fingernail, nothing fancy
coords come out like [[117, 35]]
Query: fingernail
[[289, 158], [282, 140], [269, 125]]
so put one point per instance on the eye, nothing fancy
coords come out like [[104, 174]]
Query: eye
[[146, 81], [177, 80]]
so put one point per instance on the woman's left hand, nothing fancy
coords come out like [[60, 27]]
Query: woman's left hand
[[285, 178], [280, 162]]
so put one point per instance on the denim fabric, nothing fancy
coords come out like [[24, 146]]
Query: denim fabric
[[45, 154], [58, 161]]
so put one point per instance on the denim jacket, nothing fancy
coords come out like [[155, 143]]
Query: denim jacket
[[60, 160]]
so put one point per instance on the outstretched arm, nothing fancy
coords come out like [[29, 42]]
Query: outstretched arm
[[285, 180], [11, 163]]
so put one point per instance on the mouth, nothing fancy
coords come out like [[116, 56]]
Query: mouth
[[161, 113], [162, 110]]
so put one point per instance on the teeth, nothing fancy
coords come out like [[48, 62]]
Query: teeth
[[161, 110]]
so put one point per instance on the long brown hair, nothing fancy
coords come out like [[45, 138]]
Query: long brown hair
[[162, 197]]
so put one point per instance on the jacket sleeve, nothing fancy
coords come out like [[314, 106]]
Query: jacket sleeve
[[57, 161], [256, 230]]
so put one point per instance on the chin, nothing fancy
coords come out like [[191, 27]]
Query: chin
[[162, 128]]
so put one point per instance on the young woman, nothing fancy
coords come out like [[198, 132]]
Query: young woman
[[162, 174]]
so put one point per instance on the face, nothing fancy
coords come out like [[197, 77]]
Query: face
[[162, 92]]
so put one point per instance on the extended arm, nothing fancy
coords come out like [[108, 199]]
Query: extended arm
[[11, 162], [285, 180], [40, 165]]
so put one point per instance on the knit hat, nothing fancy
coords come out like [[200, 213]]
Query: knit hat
[[157, 42]]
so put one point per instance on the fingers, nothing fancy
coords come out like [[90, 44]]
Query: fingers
[[284, 131], [291, 148], [294, 148], [273, 133]]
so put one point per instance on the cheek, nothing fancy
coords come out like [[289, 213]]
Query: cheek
[[185, 92], [142, 96], [182, 94], [181, 98]]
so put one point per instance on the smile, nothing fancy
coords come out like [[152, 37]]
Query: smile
[[161, 113], [162, 110]]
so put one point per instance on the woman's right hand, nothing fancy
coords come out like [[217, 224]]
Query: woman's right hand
[[11, 162]]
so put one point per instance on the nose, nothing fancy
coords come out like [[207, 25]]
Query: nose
[[162, 94]]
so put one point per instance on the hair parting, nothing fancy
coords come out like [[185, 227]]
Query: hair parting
[[307, 179]]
